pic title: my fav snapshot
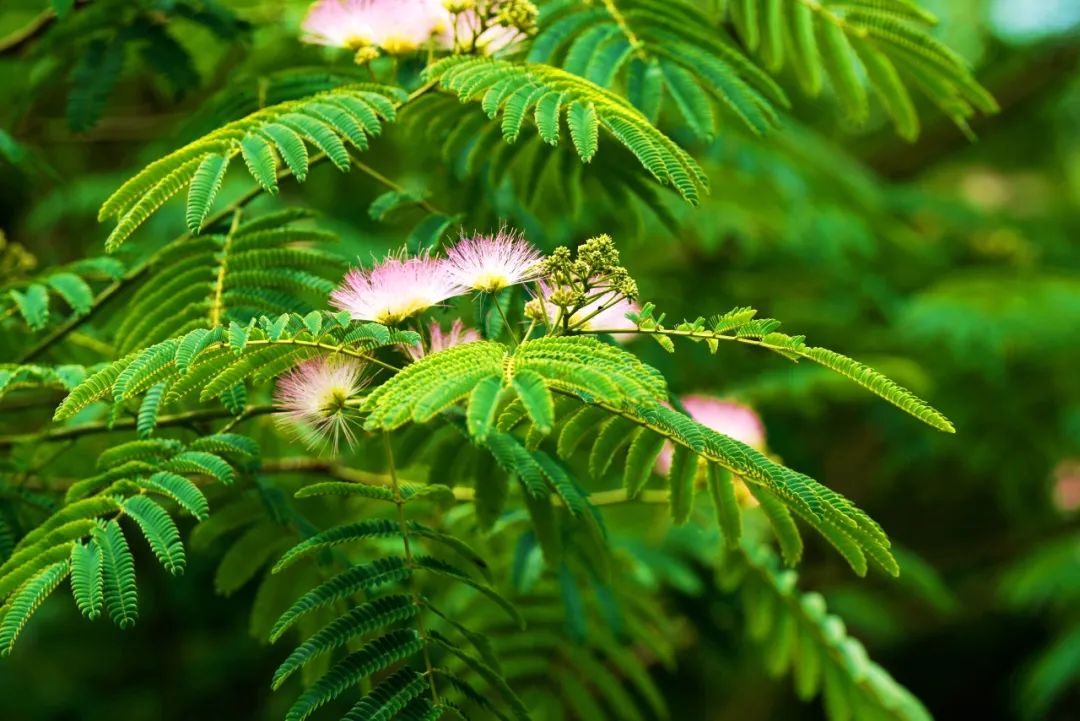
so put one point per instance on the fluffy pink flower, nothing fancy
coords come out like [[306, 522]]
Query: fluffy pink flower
[[457, 335], [466, 30], [395, 289], [396, 26], [723, 416], [311, 399], [492, 262]]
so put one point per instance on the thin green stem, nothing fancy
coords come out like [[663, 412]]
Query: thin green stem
[[463, 494], [17, 40], [611, 497], [505, 320], [529, 330], [625, 29], [371, 172], [704, 334], [399, 501], [326, 346], [580, 323], [217, 305]]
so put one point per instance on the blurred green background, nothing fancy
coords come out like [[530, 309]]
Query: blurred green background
[[953, 266]]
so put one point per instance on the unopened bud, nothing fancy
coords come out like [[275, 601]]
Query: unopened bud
[[366, 54]]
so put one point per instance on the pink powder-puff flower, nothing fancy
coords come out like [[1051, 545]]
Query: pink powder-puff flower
[[610, 314], [311, 399], [395, 289], [469, 34], [490, 263], [723, 416], [440, 340], [396, 26], [605, 312]]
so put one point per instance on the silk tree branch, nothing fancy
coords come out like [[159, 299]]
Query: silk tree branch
[[94, 427], [139, 270]]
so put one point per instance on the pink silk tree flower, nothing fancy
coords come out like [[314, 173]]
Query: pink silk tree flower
[[396, 26], [467, 32], [311, 399], [723, 416], [490, 263], [395, 289], [609, 316], [606, 312], [439, 340]]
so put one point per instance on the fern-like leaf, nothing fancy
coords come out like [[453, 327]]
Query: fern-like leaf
[[373, 615], [160, 532], [87, 583], [26, 600], [590, 105], [202, 164], [374, 656], [118, 571]]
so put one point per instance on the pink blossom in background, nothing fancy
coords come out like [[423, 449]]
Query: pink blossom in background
[[457, 335], [609, 318], [723, 416], [311, 399], [396, 26], [612, 317], [493, 262], [1067, 485], [395, 289], [466, 29]]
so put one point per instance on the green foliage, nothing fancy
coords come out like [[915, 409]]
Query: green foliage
[[27, 599], [326, 121], [884, 44], [248, 93], [214, 361], [23, 377], [373, 627], [529, 167], [160, 531], [84, 537], [587, 648], [87, 578], [1044, 581], [72, 285], [492, 539], [514, 89], [659, 50], [265, 266], [98, 45], [800, 637], [93, 80], [118, 572], [615, 381], [741, 326]]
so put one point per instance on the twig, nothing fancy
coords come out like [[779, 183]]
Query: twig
[[84, 429], [14, 42], [368, 170], [333, 469]]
